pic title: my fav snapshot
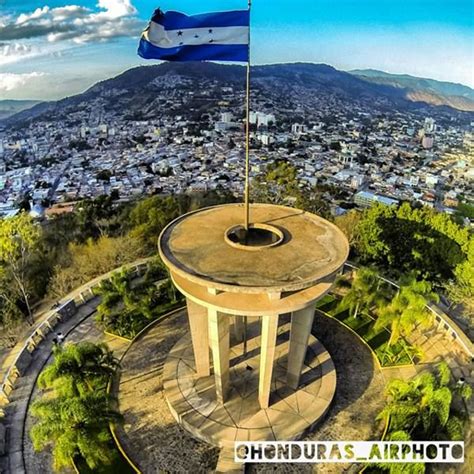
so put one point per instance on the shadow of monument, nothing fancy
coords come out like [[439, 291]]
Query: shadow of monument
[[353, 361]]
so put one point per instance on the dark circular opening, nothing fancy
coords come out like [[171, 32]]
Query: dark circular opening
[[253, 237]]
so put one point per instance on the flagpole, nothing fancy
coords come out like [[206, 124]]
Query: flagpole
[[247, 134]]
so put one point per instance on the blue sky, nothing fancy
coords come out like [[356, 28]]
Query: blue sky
[[53, 48]]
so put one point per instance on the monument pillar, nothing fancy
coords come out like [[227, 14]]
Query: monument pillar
[[301, 323], [267, 354], [220, 347], [239, 328], [197, 316]]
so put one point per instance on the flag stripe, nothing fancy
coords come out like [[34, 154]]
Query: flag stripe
[[206, 52], [162, 38], [172, 20]]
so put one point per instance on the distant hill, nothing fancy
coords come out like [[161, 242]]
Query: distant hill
[[12, 107], [421, 89], [140, 92]]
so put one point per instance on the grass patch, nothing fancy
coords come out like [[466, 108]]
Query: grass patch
[[363, 325], [136, 322]]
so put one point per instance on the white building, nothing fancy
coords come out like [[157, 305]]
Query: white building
[[429, 126], [298, 128], [366, 199], [265, 139], [357, 181], [427, 142], [431, 180], [226, 117], [261, 119]]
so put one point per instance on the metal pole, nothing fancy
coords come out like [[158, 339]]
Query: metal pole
[[247, 135]]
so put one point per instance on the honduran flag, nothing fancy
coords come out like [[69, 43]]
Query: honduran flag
[[173, 36]]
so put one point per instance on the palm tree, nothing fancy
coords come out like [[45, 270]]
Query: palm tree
[[407, 309], [422, 409], [78, 369], [114, 291], [74, 415], [127, 306], [120, 302], [364, 292], [75, 426]]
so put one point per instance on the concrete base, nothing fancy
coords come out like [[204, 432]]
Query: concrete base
[[290, 414]]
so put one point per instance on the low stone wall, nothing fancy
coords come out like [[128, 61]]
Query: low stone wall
[[68, 308]]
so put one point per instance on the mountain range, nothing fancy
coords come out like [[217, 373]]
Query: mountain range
[[136, 92], [12, 107], [420, 89]]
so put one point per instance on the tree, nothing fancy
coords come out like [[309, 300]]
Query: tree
[[364, 292], [280, 185], [407, 309], [406, 239], [401, 468], [84, 262], [96, 216], [73, 416], [465, 210], [348, 223], [127, 306], [78, 368], [277, 184], [150, 216], [312, 200], [11, 319], [461, 292], [74, 426], [19, 239], [423, 408], [104, 175]]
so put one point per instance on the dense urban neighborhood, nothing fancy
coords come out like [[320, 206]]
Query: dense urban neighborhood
[[188, 136]]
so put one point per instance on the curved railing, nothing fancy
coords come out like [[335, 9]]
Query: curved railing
[[64, 310]]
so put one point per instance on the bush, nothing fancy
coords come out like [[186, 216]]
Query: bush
[[87, 261], [128, 306]]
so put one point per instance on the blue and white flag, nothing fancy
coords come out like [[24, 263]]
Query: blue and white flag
[[173, 36]]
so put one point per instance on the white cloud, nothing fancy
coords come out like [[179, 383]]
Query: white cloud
[[49, 31], [14, 51], [110, 19], [10, 81], [116, 8], [26, 17]]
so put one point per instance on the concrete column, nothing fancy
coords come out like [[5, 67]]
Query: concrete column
[[267, 355], [239, 328], [197, 316], [220, 347], [301, 322]]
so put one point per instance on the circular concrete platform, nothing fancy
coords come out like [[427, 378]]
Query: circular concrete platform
[[291, 412], [195, 247]]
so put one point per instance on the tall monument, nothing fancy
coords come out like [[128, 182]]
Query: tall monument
[[250, 368]]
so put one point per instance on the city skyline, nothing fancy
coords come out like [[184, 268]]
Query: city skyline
[[51, 49]]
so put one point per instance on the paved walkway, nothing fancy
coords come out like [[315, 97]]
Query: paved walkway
[[8, 357], [435, 346], [155, 442], [21, 457]]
